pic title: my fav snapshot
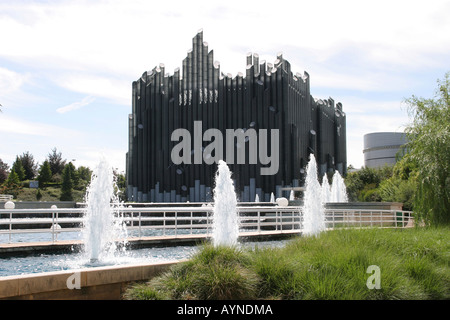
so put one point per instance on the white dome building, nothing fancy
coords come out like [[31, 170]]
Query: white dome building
[[381, 148]]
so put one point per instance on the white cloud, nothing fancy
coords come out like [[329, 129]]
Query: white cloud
[[76, 105], [110, 88], [97, 48], [122, 38], [11, 81], [13, 125]]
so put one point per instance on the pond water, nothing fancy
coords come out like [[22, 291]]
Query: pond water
[[55, 262]]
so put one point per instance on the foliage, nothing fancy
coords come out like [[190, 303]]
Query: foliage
[[38, 194], [414, 264], [398, 190], [121, 180], [3, 171], [84, 174], [361, 184], [429, 149], [11, 185], [17, 167], [67, 184], [50, 193], [45, 174], [121, 185], [213, 273], [56, 162], [29, 166], [401, 187], [390, 184]]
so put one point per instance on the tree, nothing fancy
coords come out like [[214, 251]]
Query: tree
[[45, 174], [3, 171], [56, 162], [38, 194], [28, 165], [84, 177], [73, 174], [429, 148], [84, 173], [67, 184], [17, 167], [402, 185], [12, 185], [361, 185]]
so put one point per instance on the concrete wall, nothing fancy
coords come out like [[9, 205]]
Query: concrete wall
[[357, 205], [40, 204], [106, 283], [365, 205]]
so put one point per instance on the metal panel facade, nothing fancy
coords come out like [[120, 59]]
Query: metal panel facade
[[267, 98]]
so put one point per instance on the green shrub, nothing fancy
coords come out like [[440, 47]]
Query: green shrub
[[213, 273]]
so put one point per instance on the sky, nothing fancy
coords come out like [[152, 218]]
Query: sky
[[66, 67]]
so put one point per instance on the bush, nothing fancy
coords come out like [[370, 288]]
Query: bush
[[214, 273], [360, 183], [38, 194], [398, 190]]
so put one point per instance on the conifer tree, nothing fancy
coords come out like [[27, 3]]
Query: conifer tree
[[67, 185], [45, 174], [17, 167]]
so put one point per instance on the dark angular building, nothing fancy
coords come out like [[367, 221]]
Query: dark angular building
[[269, 109]]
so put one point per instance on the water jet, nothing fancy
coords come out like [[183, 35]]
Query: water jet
[[338, 189], [103, 224], [313, 208], [225, 217]]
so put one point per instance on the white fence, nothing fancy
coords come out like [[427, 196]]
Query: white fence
[[175, 221], [5, 197]]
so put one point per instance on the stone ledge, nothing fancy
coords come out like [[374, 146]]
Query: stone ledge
[[95, 283]]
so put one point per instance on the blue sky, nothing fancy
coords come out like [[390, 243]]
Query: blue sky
[[66, 67]]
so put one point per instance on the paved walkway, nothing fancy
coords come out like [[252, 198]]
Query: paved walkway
[[168, 240]]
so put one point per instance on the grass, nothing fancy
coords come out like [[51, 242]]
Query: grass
[[414, 264], [48, 194]]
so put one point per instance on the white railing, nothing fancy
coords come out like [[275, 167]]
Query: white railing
[[5, 197], [175, 221]]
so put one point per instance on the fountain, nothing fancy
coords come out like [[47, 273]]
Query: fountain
[[338, 189], [313, 209], [291, 196], [225, 216], [272, 198], [326, 190], [103, 224]]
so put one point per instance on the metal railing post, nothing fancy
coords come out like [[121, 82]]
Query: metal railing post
[[258, 221], [53, 226], [164, 223], [140, 224], [176, 223], [10, 227]]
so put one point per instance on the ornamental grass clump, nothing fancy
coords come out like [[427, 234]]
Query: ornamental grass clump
[[216, 273]]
